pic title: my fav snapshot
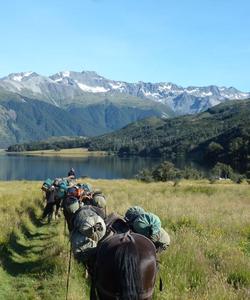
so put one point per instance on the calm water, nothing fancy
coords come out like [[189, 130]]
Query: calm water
[[39, 168]]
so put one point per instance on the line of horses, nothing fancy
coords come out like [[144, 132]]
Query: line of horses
[[123, 266]]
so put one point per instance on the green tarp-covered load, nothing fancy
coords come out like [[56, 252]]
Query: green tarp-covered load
[[132, 213], [47, 184], [149, 225], [89, 229]]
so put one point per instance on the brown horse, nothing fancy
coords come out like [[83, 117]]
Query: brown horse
[[125, 268]]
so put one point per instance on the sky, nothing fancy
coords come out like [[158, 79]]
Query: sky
[[187, 42]]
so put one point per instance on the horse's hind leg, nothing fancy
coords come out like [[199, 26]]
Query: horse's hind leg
[[54, 211], [58, 210], [51, 213]]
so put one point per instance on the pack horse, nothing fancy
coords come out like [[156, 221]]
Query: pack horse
[[125, 268]]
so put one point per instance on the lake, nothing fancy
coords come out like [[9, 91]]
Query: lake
[[16, 167]]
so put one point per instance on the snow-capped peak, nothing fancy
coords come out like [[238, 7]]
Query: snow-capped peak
[[66, 73], [70, 85], [61, 75], [19, 76]]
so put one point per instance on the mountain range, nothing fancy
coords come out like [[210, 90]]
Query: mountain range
[[34, 107]]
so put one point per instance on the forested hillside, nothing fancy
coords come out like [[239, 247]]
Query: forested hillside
[[222, 133], [55, 143], [24, 119]]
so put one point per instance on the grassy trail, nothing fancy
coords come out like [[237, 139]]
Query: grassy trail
[[34, 260]]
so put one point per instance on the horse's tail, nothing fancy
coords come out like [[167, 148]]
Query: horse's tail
[[127, 268]]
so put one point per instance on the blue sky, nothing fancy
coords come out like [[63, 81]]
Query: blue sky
[[188, 42]]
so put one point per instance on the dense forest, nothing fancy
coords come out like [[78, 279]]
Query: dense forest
[[56, 143], [221, 134]]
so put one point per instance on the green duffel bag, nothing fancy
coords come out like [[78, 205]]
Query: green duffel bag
[[47, 184], [61, 189], [133, 212], [147, 224]]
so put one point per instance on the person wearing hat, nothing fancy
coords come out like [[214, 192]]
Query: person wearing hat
[[72, 173]]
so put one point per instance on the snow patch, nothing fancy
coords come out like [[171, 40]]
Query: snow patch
[[204, 94], [149, 94], [191, 91], [118, 86], [17, 78], [66, 73], [27, 74], [165, 87], [58, 80], [233, 96], [91, 89]]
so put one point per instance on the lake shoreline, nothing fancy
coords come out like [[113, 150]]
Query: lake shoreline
[[17, 166], [72, 152]]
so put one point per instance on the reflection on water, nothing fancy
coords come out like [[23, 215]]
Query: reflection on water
[[39, 168]]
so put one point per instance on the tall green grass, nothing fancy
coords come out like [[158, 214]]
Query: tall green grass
[[209, 225]]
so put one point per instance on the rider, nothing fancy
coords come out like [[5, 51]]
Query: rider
[[72, 173], [149, 225]]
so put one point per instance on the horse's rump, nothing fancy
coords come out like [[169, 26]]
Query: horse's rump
[[125, 267]]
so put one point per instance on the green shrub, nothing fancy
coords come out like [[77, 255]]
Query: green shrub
[[166, 171], [239, 279], [224, 171], [145, 175]]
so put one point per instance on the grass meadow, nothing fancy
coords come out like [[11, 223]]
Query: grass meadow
[[209, 226]]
